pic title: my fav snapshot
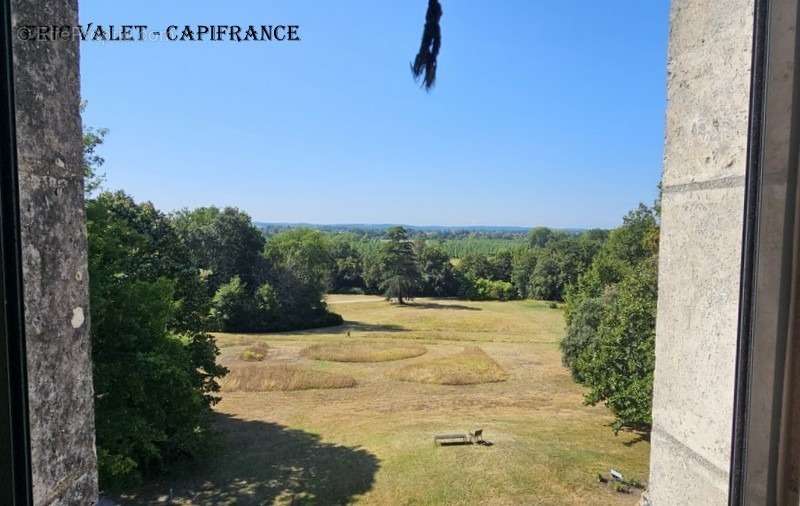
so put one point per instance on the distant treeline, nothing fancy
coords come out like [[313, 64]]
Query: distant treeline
[[539, 265], [432, 232]]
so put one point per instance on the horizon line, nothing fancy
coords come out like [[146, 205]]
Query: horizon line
[[387, 224]]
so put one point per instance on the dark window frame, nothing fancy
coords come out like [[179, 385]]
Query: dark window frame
[[15, 468], [769, 245]]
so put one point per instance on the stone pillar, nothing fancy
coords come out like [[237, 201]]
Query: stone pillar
[[54, 254], [700, 252]]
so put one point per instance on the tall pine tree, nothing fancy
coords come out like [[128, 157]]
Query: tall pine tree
[[401, 273]]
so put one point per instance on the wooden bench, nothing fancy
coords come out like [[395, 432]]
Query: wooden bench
[[441, 439], [473, 437]]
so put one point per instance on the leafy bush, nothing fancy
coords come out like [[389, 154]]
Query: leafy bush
[[232, 308], [486, 289], [255, 353]]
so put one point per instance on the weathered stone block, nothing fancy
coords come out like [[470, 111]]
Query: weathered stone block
[[54, 256], [700, 250], [696, 343], [708, 73]]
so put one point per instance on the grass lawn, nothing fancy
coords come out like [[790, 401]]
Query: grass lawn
[[372, 443]]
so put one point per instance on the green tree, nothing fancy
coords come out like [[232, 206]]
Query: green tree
[[523, 264], [611, 321], [401, 273], [167, 256], [438, 276], [538, 237], [584, 321], [546, 280], [140, 350], [373, 270], [307, 253], [501, 265], [93, 138], [348, 264], [233, 307], [224, 243], [299, 275], [476, 265], [618, 364]]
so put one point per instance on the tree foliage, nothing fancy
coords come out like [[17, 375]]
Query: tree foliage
[[438, 276], [142, 346], [401, 277], [611, 310], [347, 273], [540, 268], [93, 138], [223, 243]]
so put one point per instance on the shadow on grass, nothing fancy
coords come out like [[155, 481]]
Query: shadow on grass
[[371, 327], [262, 462], [434, 305], [640, 436]]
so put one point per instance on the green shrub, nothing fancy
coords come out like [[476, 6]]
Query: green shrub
[[486, 289], [232, 308], [256, 353]]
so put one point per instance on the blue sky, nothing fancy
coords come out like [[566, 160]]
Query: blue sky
[[544, 113]]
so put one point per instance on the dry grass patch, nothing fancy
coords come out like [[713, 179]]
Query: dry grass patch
[[452, 320], [363, 352], [230, 340], [317, 446], [469, 367], [255, 353], [266, 378]]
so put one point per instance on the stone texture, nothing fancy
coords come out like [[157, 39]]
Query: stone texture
[[708, 72], [696, 344], [700, 251], [54, 259]]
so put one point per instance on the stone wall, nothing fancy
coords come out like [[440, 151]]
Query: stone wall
[[54, 259], [702, 210]]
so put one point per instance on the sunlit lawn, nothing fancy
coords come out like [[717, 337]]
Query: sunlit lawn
[[373, 443]]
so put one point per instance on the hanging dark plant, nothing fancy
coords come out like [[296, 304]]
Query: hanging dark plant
[[424, 65]]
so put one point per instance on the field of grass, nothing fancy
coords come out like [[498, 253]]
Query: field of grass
[[469, 367], [268, 378], [363, 351], [373, 443]]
